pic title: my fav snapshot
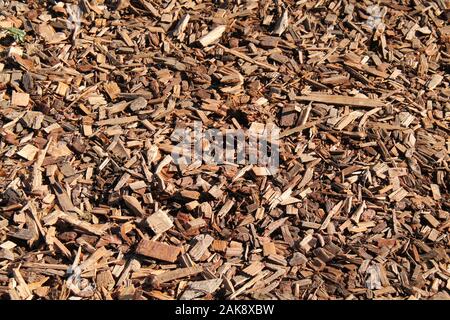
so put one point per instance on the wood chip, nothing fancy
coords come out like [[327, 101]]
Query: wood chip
[[212, 36], [158, 250]]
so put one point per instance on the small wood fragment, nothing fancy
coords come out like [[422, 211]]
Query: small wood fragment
[[158, 250]]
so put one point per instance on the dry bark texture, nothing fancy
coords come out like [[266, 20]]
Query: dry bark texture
[[94, 207]]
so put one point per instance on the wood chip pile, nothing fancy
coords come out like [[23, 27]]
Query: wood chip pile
[[94, 207]]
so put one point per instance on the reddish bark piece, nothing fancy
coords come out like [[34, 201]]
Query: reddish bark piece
[[158, 250]]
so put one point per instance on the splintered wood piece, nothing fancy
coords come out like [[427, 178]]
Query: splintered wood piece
[[436, 80], [261, 171], [436, 191], [197, 223], [97, 229], [282, 23], [63, 198], [212, 36], [226, 208], [330, 215], [269, 249], [181, 26], [342, 100], [23, 290], [192, 205], [202, 244], [62, 89], [112, 89], [20, 99], [158, 250], [190, 194], [105, 280], [159, 222], [178, 274], [134, 205], [249, 59], [219, 245], [199, 288], [33, 119], [138, 104], [117, 121], [215, 192], [398, 194], [28, 152], [254, 268]]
